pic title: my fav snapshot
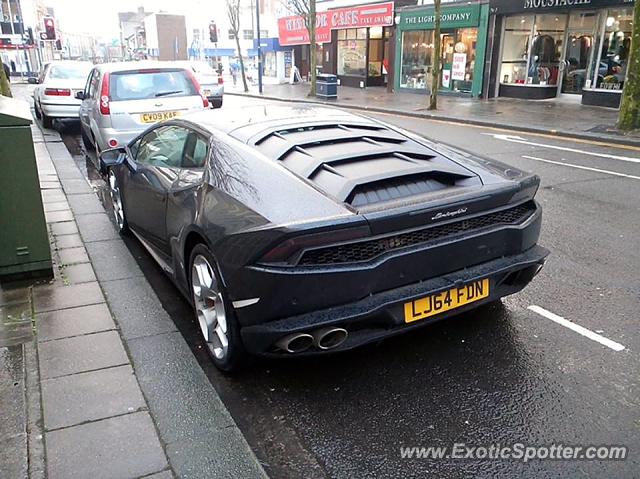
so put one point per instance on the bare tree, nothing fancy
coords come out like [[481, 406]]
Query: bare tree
[[233, 11], [629, 118], [437, 55], [307, 10], [5, 89]]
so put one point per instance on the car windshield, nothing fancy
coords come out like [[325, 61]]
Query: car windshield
[[140, 85], [69, 72]]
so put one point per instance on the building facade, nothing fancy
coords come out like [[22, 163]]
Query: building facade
[[544, 49], [463, 38], [166, 37]]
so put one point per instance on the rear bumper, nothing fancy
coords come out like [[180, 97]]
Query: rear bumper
[[60, 110], [122, 137], [382, 315]]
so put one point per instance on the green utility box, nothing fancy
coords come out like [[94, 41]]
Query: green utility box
[[24, 242]]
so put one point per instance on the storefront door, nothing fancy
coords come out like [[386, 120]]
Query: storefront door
[[578, 52]]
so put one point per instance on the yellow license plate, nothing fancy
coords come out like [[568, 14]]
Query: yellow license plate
[[445, 301], [158, 116]]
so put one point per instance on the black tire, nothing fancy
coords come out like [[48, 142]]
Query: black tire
[[47, 121], [236, 356], [115, 195], [85, 139], [37, 111], [216, 103]]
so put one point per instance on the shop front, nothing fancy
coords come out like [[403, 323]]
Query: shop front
[[463, 36], [355, 42], [551, 48], [276, 59]]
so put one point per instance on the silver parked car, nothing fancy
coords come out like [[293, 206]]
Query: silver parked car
[[121, 100], [211, 82], [55, 94]]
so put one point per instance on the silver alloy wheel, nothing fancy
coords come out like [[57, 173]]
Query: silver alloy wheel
[[210, 308], [116, 200]]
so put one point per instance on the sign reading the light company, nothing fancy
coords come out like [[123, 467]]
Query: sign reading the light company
[[424, 19]]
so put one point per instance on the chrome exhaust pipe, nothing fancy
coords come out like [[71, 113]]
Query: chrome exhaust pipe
[[295, 343], [329, 338]]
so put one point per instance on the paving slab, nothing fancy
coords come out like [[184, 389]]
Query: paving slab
[[58, 216], [78, 273], [96, 227], [14, 295], [136, 308], [74, 322], [80, 354], [66, 228], [13, 438], [73, 255], [52, 196], [85, 203], [75, 186], [56, 206], [68, 241], [51, 298], [112, 260], [91, 396], [122, 447]]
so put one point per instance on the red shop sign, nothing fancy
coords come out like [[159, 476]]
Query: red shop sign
[[292, 30]]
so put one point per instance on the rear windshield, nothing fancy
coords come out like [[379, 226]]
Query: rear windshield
[[141, 85], [69, 72]]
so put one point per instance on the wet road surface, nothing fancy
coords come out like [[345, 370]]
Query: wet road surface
[[502, 374]]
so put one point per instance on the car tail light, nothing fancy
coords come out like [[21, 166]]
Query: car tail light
[[196, 84], [113, 142], [57, 92], [105, 109], [220, 80], [288, 248]]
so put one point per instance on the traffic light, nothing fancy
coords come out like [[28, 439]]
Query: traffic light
[[213, 33], [50, 28]]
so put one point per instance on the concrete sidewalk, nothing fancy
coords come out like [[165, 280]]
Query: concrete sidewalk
[[95, 379], [562, 117]]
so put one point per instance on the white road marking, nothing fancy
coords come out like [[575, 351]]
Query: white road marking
[[580, 167], [577, 328], [518, 139]]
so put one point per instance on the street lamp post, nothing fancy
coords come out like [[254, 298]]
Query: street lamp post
[[259, 49]]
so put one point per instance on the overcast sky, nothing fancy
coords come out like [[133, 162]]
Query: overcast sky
[[100, 17]]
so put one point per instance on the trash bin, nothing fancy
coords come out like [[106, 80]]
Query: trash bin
[[326, 86], [24, 241]]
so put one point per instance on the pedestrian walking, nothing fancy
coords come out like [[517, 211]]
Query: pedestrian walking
[[234, 72]]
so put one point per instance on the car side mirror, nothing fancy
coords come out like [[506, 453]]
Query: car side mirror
[[80, 95], [32, 80], [113, 157]]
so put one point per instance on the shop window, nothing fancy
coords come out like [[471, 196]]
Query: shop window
[[614, 49], [375, 32], [464, 59], [416, 60], [352, 57], [546, 49], [515, 50]]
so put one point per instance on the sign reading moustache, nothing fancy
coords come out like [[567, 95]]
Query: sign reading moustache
[[513, 6]]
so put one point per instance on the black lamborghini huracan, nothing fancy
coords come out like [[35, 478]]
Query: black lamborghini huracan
[[298, 230]]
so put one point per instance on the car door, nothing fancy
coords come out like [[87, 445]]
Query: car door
[[156, 167], [89, 98], [37, 93]]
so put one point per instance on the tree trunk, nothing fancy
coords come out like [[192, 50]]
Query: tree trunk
[[312, 45], [629, 117], [244, 77], [437, 56], [5, 88]]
